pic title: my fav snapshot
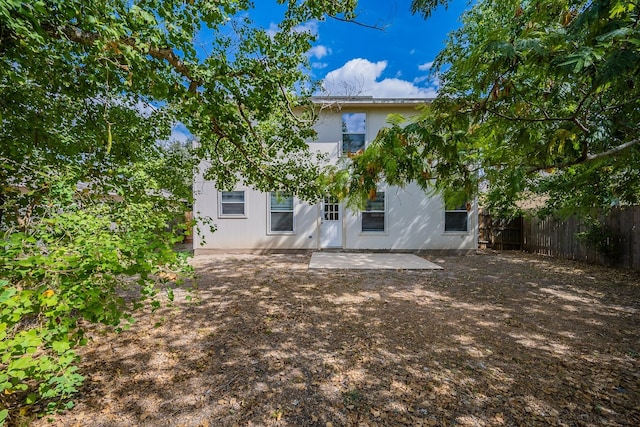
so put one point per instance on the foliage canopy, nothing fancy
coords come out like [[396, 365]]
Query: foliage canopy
[[88, 88], [538, 99]]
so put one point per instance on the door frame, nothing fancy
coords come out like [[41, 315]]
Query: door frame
[[339, 241]]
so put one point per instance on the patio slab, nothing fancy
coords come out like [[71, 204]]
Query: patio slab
[[370, 261]]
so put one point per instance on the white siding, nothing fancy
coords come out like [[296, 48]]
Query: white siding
[[413, 221], [252, 232], [329, 125]]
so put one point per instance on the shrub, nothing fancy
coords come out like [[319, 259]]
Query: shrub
[[68, 265]]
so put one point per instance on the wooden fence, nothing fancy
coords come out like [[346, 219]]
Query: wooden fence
[[615, 243], [499, 234]]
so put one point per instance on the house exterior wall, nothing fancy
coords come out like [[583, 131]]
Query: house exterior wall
[[412, 220], [329, 127], [251, 232]]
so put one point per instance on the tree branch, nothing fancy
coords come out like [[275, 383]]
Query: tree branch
[[352, 21], [217, 129], [578, 123], [588, 158], [530, 119], [613, 150], [77, 35]]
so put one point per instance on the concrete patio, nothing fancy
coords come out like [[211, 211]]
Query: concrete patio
[[370, 261]]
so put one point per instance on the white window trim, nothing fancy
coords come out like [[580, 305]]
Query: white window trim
[[238, 216], [366, 129], [280, 233], [384, 232]]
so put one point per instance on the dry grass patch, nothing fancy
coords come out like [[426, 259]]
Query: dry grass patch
[[492, 340]]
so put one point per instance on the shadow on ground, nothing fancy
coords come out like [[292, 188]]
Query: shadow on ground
[[492, 340]]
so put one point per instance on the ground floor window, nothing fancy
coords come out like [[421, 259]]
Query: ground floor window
[[232, 204], [281, 219], [456, 218], [373, 214]]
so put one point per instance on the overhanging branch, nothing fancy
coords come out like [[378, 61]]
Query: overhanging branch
[[613, 150], [589, 157], [79, 36], [355, 22]]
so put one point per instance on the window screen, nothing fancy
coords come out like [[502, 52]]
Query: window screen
[[280, 212], [232, 203], [373, 215]]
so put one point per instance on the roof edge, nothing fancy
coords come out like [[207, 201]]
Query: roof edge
[[368, 100]]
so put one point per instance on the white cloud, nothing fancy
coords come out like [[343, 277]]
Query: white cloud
[[307, 27], [272, 30], [431, 77], [355, 122], [180, 133], [435, 80], [319, 65], [396, 88], [319, 51], [361, 77], [356, 70], [426, 66]]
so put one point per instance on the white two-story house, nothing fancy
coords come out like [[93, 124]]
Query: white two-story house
[[398, 219]]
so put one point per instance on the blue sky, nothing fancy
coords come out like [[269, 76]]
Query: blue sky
[[392, 61]]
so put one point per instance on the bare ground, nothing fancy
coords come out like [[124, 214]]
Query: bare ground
[[495, 339]]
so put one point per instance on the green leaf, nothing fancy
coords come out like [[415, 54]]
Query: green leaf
[[396, 119], [60, 346], [31, 398], [521, 128], [7, 293], [138, 65]]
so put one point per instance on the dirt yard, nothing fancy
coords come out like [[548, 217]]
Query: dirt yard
[[491, 340]]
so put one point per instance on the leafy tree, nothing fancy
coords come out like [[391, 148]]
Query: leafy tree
[[88, 88], [538, 99]]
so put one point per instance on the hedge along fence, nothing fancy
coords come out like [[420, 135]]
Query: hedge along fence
[[614, 241]]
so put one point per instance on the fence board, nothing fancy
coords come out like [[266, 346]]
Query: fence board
[[549, 236], [500, 234]]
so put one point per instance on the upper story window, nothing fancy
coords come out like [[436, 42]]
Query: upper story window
[[281, 213], [232, 204], [373, 214], [354, 131], [456, 218]]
